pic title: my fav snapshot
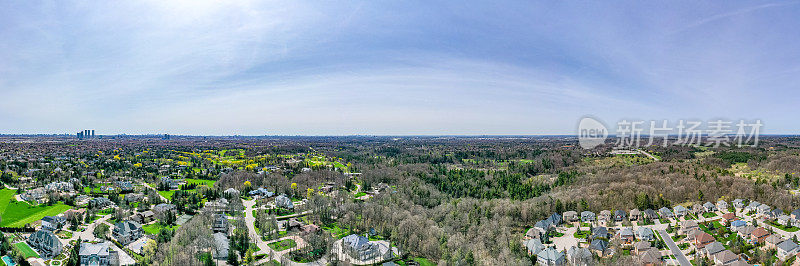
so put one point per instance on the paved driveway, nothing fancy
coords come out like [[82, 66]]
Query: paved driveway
[[674, 248]]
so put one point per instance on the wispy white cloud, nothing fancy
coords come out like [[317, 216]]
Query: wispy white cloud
[[285, 67]]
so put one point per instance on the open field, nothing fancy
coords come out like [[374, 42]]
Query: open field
[[17, 213], [26, 250]]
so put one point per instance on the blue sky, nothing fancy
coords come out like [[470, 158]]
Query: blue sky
[[392, 67]]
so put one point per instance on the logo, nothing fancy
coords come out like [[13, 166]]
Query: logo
[[591, 133]]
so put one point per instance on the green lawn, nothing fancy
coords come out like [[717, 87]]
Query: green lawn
[[209, 183], [336, 231], [26, 250], [360, 194], [154, 228], [167, 194], [709, 214], [282, 245], [18, 213], [783, 227], [424, 262], [6, 196]]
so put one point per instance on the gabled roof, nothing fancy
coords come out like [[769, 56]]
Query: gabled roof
[[626, 231], [644, 231], [738, 223], [680, 208], [774, 239], [636, 212], [533, 245], [729, 216], [760, 232], [714, 248], [598, 244], [726, 256], [100, 249], [652, 255], [600, 231], [641, 245], [550, 254], [579, 253], [703, 237]]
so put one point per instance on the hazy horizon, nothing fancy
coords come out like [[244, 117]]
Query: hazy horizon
[[256, 68]]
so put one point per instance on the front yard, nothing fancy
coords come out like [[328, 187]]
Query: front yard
[[282, 245], [783, 227]]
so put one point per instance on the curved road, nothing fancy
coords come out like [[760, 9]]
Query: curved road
[[674, 248]]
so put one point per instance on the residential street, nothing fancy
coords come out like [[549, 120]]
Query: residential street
[[674, 248]]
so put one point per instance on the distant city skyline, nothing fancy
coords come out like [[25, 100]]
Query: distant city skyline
[[258, 68]]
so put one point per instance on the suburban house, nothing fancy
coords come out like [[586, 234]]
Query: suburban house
[[752, 206], [549, 256], [746, 231], [134, 197], [126, 232], [726, 257], [651, 214], [728, 218], [698, 209], [261, 192], [772, 241], [651, 257], [709, 207], [775, 213], [95, 254], [626, 235], [221, 246], [587, 217], [605, 216], [53, 223], [600, 247], [738, 203], [45, 243], [712, 249], [59, 187], [787, 249], [763, 209], [796, 214], [681, 211], [163, 209], [534, 246], [220, 223], [579, 256], [635, 214], [666, 213], [784, 219], [232, 192], [100, 203], [600, 232], [644, 233], [641, 246], [759, 235], [124, 186], [722, 206], [283, 201], [735, 225], [36, 195], [359, 247], [143, 217], [220, 205], [619, 215], [570, 216], [701, 239]]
